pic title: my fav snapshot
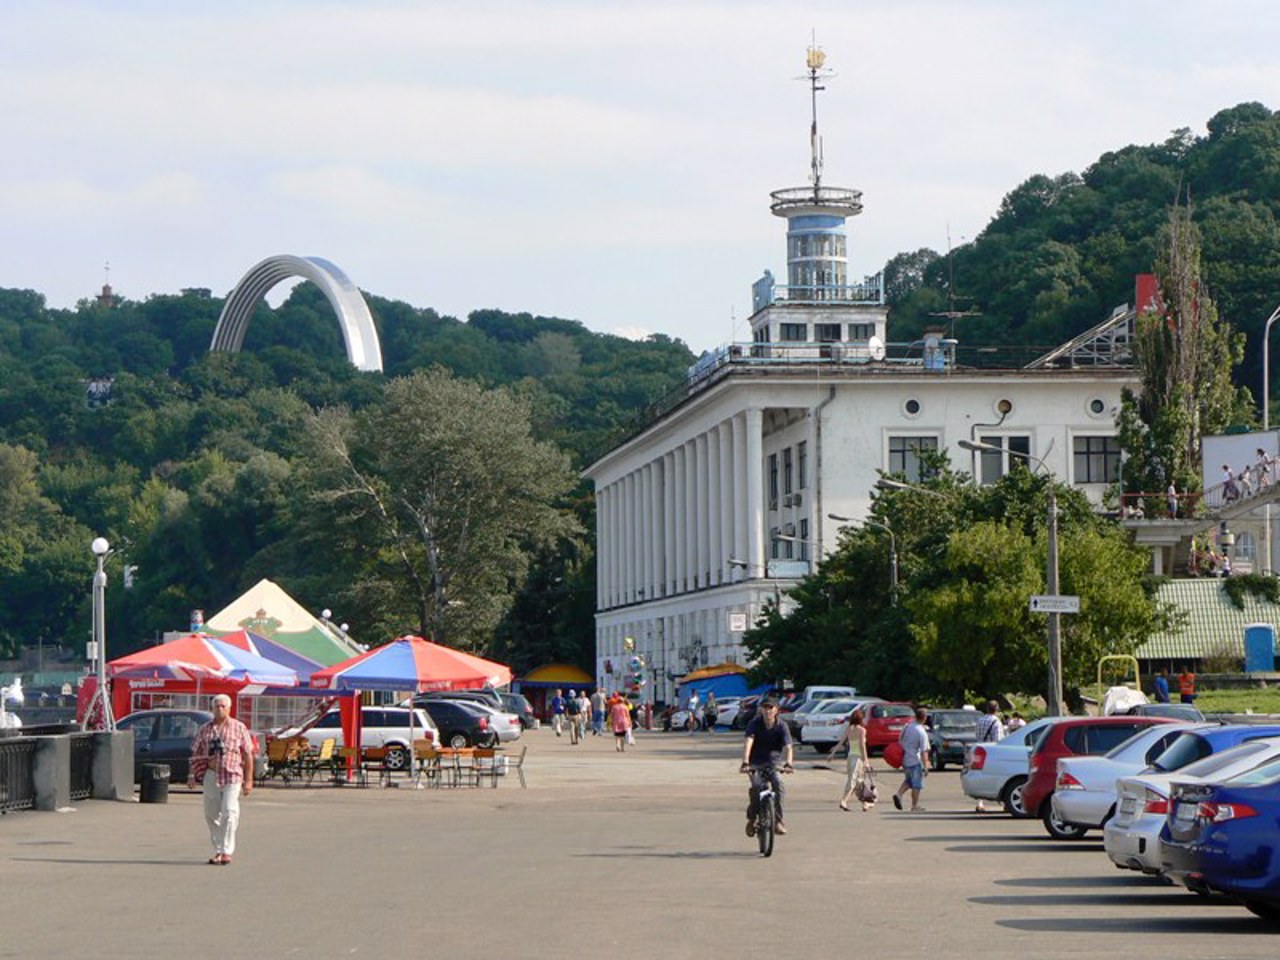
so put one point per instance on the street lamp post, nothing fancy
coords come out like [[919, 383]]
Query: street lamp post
[[893, 551], [101, 549], [1053, 696], [1266, 426]]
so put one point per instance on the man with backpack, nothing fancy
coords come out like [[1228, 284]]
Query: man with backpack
[[573, 711], [989, 730]]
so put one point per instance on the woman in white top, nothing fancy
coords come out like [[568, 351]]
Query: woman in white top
[[858, 765]]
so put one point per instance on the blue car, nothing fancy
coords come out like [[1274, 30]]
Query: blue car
[[1223, 837], [1199, 743]]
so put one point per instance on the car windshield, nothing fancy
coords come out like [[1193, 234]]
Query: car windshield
[[893, 710], [1216, 761], [956, 722], [1188, 748]]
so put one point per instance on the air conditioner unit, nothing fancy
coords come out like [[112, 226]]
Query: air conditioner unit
[[787, 501], [796, 500], [789, 530], [773, 504]]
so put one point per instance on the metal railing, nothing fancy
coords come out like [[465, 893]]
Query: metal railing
[[869, 292], [81, 766], [17, 774]]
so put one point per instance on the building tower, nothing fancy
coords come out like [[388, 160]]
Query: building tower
[[818, 293]]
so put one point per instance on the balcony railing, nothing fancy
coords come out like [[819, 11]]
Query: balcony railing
[[849, 201], [869, 292]]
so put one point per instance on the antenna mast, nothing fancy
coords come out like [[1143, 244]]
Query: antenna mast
[[814, 61]]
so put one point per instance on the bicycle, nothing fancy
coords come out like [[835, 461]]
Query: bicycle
[[766, 800]]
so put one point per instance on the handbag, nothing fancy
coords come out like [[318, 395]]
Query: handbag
[[865, 789]]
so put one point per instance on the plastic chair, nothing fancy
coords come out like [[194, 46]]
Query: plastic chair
[[323, 759]]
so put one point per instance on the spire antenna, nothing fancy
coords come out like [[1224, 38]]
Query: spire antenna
[[814, 60]]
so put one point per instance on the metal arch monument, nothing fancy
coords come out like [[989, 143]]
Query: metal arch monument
[[358, 331]]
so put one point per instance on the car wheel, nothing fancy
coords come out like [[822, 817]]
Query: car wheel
[[490, 741], [459, 740], [1060, 829], [397, 758], [936, 761], [1012, 798], [1264, 909]]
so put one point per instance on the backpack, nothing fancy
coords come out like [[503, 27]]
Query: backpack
[[571, 706]]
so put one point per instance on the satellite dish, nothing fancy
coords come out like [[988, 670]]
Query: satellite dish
[[875, 347]]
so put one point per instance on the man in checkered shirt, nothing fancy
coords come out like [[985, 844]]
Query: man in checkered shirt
[[222, 760], [990, 729]]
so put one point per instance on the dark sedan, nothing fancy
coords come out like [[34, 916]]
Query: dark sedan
[[517, 703], [164, 736], [461, 725], [950, 731]]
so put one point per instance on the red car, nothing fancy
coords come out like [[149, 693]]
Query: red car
[[885, 723], [1074, 737]]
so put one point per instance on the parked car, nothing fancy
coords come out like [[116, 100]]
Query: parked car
[[460, 724], [796, 718], [747, 707], [1084, 795], [1220, 837], [726, 710], [998, 771], [1073, 737], [385, 726], [951, 733], [1132, 836], [518, 704], [485, 695], [885, 723], [504, 725], [1174, 711], [826, 723], [164, 736]]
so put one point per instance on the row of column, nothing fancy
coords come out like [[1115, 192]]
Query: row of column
[[665, 643], [673, 524]]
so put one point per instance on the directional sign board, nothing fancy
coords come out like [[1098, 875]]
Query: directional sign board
[[1048, 603]]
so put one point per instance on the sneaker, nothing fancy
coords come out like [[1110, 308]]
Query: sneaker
[[780, 829], [897, 802], [751, 828], [980, 808]]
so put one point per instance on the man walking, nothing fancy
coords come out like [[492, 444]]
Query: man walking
[[572, 709], [915, 755], [557, 710], [1161, 686], [1187, 686], [597, 713], [989, 730], [222, 760]]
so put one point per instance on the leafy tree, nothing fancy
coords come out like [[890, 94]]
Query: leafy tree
[[445, 494]]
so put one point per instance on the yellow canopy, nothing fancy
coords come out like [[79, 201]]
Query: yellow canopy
[[715, 670]]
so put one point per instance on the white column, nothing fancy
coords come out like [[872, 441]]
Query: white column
[[678, 514], [668, 524], [755, 490], [715, 561], [741, 545], [689, 535], [646, 536], [655, 526], [703, 493], [727, 483], [628, 538], [602, 548]]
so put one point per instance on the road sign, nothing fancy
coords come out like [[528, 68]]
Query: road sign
[[737, 622], [1048, 603]]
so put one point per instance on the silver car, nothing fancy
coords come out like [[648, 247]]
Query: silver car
[[998, 771], [1132, 836]]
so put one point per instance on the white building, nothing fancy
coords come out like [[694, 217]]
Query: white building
[[721, 502]]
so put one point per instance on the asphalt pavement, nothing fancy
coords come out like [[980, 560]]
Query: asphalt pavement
[[640, 854]]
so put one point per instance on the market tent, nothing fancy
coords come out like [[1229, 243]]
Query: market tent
[[266, 610], [202, 659], [715, 670], [272, 650], [409, 663], [725, 685], [564, 675]]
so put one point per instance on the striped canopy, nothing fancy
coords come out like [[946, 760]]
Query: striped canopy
[[196, 657], [411, 663]]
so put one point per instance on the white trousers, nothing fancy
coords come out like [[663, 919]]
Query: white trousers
[[221, 813]]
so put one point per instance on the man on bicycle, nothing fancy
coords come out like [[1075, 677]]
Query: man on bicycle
[[767, 740]]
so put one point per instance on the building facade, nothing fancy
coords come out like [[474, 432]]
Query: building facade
[[722, 502]]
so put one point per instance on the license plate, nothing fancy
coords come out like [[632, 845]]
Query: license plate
[[1186, 812], [1128, 805]]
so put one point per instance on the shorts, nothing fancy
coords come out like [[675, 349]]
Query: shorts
[[914, 777]]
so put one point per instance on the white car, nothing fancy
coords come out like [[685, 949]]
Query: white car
[[379, 727], [998, 771], [826, 723], [1084, 794], [505, 725], [1132, 836]]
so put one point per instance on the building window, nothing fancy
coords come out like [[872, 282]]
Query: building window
[[804, 538], [861, 331], [802, 456], [795, 332], [994, 464], [826, 332], [905, 453], [787, 485], [774, 543], [773, 481], [1246, 548], [1097, 459]]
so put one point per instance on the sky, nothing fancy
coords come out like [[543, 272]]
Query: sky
[[605, 162]]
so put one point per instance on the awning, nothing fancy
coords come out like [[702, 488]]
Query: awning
[[558, 675]]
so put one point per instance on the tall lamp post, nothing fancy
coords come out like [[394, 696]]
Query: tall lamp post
[[101, 549], [1053, 696], [893, 551], [1266, 426]]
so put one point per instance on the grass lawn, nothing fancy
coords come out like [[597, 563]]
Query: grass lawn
[[1238, 701]]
